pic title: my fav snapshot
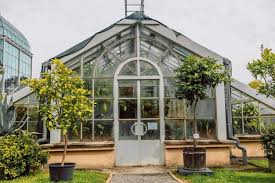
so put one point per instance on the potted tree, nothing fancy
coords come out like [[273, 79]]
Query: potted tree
[[193, 77], [264, 70], [64, 104]]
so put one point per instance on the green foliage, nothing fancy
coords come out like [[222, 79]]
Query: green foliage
[[18, 152], [65, 103], [268, 143], [264, 69], [231, 176], [249, 110], [79, 177], [195, 75], [65, 100], [255, 84]]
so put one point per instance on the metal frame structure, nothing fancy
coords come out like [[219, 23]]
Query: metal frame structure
[[245, 98], [138, 5]]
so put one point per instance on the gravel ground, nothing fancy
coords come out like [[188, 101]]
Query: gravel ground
[[156, 178]]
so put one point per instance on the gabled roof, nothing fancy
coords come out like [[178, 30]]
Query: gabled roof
[[125, 23], [268, 101], [135, 16]]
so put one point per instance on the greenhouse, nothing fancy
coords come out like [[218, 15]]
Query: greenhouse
[[137, 119], [15, 55]]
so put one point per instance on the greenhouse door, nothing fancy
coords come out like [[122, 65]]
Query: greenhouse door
[[138, 125]]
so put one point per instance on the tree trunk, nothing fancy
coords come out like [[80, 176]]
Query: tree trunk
[[195, 126], [65, 150]]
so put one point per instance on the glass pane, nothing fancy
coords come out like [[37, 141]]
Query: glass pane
[[88, 84], [237, 126], [33, 113], [74, 133], [174, 130], [106, 65], [88, 69], [103, 130], [206, 109], [103, 109], [251, 126], [174, 108], [169, 87], [147, 69], [103, 88], [32, 126], [129, 69], [268, 123], [125, 132], [206, 128], [149, 88], [127, 89], [153, 132], [127, 109], [21, 113], [77, 71], [87, 131], [149, 108]]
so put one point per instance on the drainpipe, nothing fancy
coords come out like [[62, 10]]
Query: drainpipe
[[43, 140], [229, 125]]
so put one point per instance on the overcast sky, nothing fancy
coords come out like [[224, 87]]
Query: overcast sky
[[232, 28]]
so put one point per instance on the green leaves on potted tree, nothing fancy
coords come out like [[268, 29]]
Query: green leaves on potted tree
[[193, 77], [268, 143], [263, 69], [64, 104]]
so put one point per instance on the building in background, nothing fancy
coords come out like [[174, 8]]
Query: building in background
[[15, 55]]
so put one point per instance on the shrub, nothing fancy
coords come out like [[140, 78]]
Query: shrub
[[18, 154], [268, 143]]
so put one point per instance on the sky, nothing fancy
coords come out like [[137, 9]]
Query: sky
[[234, 29]]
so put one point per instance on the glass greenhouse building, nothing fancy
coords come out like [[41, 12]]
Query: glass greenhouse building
[[137, 119], [15, 55]]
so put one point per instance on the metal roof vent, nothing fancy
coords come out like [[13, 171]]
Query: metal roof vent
[[132, 6]]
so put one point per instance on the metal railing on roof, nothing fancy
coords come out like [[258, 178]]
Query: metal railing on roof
[[132, 6]]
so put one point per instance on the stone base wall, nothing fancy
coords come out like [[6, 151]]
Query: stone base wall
[[217, 153], [252, 145], [92, 156]]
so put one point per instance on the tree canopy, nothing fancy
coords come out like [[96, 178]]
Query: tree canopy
[[264, 69], [64, 100], [195, 75]]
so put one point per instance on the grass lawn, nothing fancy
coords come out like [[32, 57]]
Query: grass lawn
[[232, 176], [259, 162], [79, 177]]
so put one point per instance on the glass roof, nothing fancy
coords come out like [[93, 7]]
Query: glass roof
[[13, 33]]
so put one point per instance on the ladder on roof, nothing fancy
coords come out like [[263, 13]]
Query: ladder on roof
[[132, 6]]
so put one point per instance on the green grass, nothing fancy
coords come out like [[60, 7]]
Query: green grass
[[259, 162], [79, 177], [231, 176]]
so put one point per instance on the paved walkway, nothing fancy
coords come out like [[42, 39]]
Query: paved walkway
[[145, 178], [149, 174]]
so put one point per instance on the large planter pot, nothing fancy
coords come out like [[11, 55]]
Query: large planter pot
[[194, 158], [61, 173], [271, 163]]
